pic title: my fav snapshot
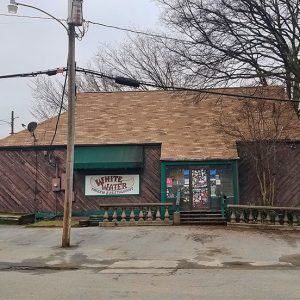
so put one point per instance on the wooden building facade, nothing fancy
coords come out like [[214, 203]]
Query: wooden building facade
[[138, 147]]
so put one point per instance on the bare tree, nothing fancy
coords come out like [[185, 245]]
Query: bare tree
[[47, 96], [261, 127], [219, 43], [238, 41], [141, 58]]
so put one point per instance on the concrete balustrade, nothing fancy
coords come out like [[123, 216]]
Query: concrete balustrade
[[263, 216], [130, 214]]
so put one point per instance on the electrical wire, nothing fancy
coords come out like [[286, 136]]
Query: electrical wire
[[36, 176], [60, 109], [137, 32], [31, 17], [153, 35], [176, 88], [48, 72], [46, 13], [5, 121], [51, 72]]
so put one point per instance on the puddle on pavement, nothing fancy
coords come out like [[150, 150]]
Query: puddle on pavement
[[293, 259], [239, 264], [201, 237]]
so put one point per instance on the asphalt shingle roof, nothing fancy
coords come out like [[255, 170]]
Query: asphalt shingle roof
[[185, 125]]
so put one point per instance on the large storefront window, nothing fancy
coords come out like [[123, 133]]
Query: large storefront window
[[199, 187]]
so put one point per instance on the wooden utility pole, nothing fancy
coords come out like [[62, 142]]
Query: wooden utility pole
[[74, 19], [12, 123], [70, 141]]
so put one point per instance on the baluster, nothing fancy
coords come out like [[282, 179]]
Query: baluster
[[277, 220], [123, 216], [149, 215], [268, 218], [167, 216], [105, 216], [114, 220], [242, 217], [250, 217], [295, 219], [158, 219], [132, 216], [233, 216], [285, 219], [259, 219], [141, 216]]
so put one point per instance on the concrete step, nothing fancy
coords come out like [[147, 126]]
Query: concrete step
[[201, 215], [199, 222], [206, 211], [202, 218]]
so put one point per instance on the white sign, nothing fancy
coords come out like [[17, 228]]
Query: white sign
[[114, 185]]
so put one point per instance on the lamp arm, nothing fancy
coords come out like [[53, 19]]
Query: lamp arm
[[36, 8]]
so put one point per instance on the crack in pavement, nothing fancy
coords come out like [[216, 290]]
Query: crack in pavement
[[182, 265]]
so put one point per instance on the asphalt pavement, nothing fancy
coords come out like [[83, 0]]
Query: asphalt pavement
[[184, 262]]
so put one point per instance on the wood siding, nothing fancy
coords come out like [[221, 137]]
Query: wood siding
[[25, 180], [21, 192], [288, 178]]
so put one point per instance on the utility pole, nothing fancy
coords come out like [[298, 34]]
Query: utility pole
[[12, 123], [74, 19]]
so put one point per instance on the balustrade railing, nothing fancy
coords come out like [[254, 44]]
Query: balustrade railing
[[131, 214], [263, 215]]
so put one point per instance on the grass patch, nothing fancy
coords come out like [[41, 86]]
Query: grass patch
[[53, 223]]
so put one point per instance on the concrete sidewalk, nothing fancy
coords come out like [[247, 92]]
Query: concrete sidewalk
[[148, 249]]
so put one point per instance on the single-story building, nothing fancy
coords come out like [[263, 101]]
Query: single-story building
[[141, 147]]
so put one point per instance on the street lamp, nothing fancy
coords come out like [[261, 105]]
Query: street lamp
[[74, 19], [12, 7]]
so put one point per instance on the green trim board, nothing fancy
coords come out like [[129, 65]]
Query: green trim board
[[194, 162], [109, 157], [163, 182], [163, 185], [235, 182]]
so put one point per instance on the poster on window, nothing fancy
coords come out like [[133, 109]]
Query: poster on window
[[169, 182], [112, 185]]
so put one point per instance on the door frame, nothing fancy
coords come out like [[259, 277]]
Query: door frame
[[163, 175]]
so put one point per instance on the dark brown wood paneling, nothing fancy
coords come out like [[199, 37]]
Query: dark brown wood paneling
[[25, 180], [287, 177], [21, 192]]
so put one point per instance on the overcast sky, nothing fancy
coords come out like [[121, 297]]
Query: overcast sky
[[29, 45]]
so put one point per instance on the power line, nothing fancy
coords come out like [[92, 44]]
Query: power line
[[5, 121], [137, 32], [60, 109], [153, 35], [136, 83], [49, 72], [176, 88], [30, 17]]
